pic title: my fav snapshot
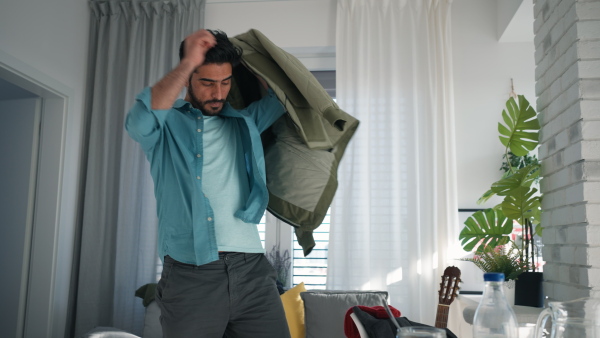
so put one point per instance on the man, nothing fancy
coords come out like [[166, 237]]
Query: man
[[207, 163]]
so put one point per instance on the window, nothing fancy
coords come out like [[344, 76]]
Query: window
[[261, 229], [312, 270]]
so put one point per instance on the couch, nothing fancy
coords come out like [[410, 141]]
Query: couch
[[310, 313]]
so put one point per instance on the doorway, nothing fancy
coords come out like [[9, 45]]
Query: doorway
[[33, 110], [19, 139]]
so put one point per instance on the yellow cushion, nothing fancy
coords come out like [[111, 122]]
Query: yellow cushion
[[294, 310]]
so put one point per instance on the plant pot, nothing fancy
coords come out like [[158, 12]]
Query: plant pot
[[509, 292], [529, 289]]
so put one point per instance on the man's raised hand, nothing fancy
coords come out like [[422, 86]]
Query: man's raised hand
[[195, 47], [167, 89]]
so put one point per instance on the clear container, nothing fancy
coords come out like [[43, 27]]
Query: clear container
[[494, 317]]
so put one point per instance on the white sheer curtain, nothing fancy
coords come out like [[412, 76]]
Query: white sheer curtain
[[132, 45], [394, 220]]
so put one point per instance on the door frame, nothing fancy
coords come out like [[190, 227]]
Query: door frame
[[46, 283]]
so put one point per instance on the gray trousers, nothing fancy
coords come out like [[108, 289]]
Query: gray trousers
[[235, 296]]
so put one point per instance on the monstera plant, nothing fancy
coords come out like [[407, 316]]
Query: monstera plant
[[489, 229]]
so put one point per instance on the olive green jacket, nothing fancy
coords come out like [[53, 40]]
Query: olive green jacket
[[304, 147]]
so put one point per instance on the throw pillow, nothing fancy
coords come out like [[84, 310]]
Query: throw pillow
[[324, 310], [294, 310]]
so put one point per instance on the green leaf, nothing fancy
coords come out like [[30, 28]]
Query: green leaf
[[485, 197], [485, 228], [512, 162], [535, 214], [524, 177], [520, 202], [521, 130]]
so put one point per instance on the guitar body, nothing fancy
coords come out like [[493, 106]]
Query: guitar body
[[447, 294]]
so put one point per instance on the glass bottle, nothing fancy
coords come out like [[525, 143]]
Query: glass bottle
[[494, 317]]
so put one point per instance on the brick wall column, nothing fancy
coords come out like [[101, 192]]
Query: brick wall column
[[567, 56]]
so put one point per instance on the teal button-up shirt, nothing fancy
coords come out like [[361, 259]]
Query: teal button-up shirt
[[172, 142]]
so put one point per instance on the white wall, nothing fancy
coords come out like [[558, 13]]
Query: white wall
[[515, 20], [304, 28], [46, 41], [50, 36], [506, 10], [482, 69], [296, 23]]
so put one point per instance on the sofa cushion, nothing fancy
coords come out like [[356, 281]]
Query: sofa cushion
[[152, 327], [324, 310], [294, 310]]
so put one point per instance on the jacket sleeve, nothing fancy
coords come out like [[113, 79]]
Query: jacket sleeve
[[266, 110], [144, 124]]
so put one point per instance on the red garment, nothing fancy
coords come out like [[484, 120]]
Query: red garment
[[350, 329]]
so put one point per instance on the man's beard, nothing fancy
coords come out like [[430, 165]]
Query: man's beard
[[204, 105]]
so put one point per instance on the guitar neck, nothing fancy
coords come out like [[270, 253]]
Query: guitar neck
[[448, 291], [441, 318]]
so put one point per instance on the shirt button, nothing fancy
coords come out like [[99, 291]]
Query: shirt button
[[209, 219], [199, 130], [198, 155], [198, 177], [199, 117]]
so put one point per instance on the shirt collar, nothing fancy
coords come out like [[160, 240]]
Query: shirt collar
[[182, 104]]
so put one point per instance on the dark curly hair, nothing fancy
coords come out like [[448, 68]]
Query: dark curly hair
[[223, 52]]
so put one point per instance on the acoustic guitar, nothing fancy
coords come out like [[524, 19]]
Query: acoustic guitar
[[447, 294]]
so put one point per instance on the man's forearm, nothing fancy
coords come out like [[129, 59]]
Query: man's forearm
[[166, 91]]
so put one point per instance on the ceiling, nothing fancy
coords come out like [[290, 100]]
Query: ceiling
[[515, 19]]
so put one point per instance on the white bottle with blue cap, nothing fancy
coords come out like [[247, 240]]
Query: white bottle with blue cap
[[494, 317]]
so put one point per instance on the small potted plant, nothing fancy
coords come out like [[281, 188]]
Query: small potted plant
[[489, 229], [500, 259], [505, 259], [281, 262]]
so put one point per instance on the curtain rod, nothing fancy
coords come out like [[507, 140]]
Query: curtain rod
[[207, 1], [241, 1]]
